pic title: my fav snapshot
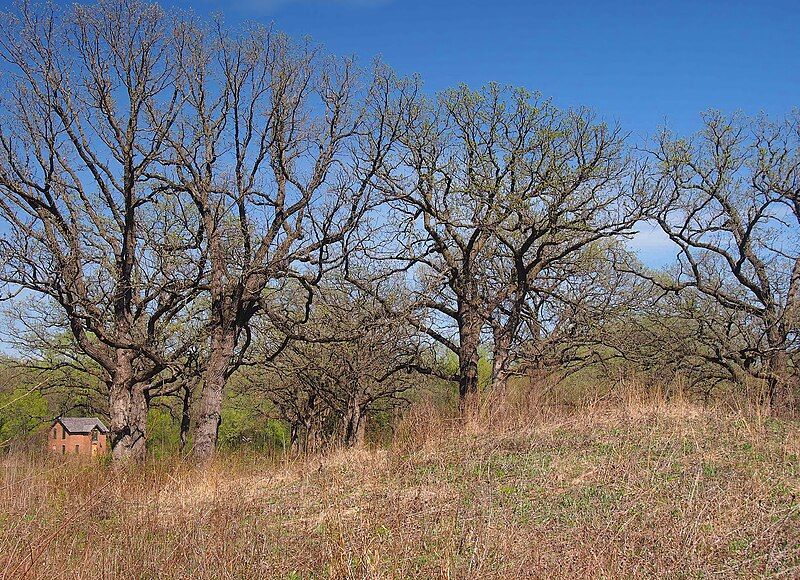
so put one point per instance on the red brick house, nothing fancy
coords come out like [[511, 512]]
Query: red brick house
[[78, 435]]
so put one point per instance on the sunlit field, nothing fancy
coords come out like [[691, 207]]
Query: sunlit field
[[631, 487]]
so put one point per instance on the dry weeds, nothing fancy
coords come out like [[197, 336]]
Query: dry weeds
[[626, 489]]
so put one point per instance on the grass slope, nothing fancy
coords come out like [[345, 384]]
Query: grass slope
[[632, 491]]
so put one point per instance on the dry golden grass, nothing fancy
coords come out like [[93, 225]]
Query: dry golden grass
[[628, 488]]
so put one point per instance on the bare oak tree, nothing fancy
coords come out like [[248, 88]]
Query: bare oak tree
[[274, 147], [491, 190], [89, 96], [729, 201], [571, 192]]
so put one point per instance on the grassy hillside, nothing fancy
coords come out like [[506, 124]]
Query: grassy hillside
[[625, 490]]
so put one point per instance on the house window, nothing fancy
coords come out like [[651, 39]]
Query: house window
[[77, 449], [54, 432], [63, 433], [63, 450], [94, 435]]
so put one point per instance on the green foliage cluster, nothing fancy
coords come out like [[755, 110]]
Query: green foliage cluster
[[22, 413]]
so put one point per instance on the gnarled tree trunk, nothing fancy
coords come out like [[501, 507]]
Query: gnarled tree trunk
[[223, 342], [128, 407], [469, 330]]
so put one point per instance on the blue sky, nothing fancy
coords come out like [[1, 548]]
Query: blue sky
[[642, 63]]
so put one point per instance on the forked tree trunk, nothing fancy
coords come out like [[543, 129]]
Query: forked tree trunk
[[128, 410], [503, 336], [214, 379]]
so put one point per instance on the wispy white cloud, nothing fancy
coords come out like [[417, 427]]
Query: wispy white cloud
[[650, 236], [651, 244]]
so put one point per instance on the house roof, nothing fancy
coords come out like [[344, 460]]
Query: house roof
[[82, 424]]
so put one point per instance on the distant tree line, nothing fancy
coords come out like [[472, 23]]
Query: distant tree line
[[190, 210]]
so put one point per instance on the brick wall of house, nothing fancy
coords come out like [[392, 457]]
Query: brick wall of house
[[60, 441]]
